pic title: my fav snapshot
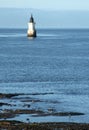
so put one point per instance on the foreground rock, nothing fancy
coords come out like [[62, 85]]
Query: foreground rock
[[15, 125]]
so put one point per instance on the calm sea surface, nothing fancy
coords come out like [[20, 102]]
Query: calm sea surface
[[55, 63]]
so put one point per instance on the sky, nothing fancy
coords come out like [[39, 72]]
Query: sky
[[47, 13], [47, 4]]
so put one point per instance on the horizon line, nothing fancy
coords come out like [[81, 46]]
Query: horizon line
[[45, 9], [47, 28]]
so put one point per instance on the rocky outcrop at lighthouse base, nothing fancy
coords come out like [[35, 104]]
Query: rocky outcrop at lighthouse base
[[31, 33]]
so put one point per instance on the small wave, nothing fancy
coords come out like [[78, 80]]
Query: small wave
[[46, 35], [11, 35], [49, 36]]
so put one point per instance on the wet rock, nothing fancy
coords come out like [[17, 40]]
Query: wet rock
[[8, 95], [27, 105], [6, 104]]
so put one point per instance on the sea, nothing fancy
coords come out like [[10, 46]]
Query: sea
[[52, 68]]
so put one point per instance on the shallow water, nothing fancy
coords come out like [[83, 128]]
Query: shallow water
[[55, 63]]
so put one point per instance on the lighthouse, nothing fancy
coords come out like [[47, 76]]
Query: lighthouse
[[31, 28]]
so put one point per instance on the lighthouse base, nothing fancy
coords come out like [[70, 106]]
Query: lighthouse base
[[31, 33]]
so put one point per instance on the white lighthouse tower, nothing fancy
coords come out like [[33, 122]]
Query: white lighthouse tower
[[31, 28]]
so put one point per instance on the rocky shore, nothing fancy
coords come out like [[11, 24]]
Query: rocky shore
[[9, 110], [14, 125]]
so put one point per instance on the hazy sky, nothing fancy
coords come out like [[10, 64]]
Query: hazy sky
[[47, 4], [69, 14]]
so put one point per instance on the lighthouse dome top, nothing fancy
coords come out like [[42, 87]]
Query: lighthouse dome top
[[31, 19]]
